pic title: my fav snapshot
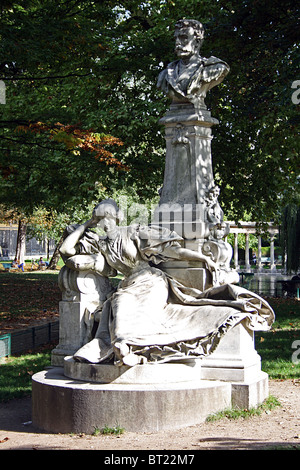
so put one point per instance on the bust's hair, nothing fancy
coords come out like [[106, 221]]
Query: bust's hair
[[108, 207], [196, 25]]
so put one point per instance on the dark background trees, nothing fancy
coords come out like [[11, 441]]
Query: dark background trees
[[78, 71]]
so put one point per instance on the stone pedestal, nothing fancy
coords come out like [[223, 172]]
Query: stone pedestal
[[188, 167], [64, 405], [72, 330], [236, 361], [187, 220], [188, 171], [82, 293], [189, 273], [251, 393], [80, 397], [168, 373]]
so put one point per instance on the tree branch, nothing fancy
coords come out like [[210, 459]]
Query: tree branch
[[19, 122], [24, 142], [47, 78]]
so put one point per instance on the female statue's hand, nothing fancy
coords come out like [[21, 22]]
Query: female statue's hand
[[94, 221], [212, 266]]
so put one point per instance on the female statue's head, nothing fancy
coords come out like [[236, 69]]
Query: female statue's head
[[108, 209]]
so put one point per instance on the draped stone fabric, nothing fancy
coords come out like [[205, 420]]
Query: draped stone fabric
[[151, 316]]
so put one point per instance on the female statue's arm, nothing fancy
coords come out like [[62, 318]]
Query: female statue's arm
[[177, 252], [95, 263], [68, 248], [84, 262]]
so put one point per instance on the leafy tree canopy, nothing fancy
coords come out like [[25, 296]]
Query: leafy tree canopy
[[93, 66]]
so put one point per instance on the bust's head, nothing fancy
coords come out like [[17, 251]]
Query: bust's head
[[189, 36]]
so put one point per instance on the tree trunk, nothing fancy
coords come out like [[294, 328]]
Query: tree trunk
[[47, 244], [290, 236], [21, 241], [56, 255]]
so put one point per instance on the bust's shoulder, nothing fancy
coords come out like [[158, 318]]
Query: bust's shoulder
[[212, 60]]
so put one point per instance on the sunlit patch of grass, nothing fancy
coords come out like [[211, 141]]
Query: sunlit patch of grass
[[236, 413], [115, 430], [16, 373]]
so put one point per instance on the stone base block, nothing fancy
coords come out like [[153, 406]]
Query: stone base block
[[168, 373], [189, 273], [63, 405], [235, 370], [252, 393], [58, 355], [235, 358]]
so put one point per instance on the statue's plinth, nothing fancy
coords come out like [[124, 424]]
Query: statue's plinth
[[186, 112], [82, 292], [189, 273], [81, 396], [173, 372], [64, 405], [186, 219], [188, 174], [235, 359], [188, 167]]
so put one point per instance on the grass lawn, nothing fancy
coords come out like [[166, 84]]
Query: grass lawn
[[28, 296], [277, 346], [25, 299], [16, 372]]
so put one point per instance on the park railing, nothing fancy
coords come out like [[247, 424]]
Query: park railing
[[29, 339]]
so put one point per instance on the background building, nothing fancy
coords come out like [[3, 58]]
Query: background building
[[34, 248]]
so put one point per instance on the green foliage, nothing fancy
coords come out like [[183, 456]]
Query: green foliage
[[16, 373], [47, 55], [242, 242], [116, 430], [95, 65], [276, 346], [235, 413], [290, 236], [256, 151]]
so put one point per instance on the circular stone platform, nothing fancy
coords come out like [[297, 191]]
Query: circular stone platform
[[64, 405]]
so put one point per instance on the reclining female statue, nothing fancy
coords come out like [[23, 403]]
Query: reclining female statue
[[151, 316]]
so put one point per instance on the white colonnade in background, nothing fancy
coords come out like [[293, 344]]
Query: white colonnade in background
[[248, 228]]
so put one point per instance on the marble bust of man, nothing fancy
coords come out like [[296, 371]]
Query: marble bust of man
[[190, 77]]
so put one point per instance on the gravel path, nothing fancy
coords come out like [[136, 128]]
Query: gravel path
[[279, 428]]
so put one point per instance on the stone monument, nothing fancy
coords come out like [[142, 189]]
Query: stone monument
[[189, 196], [174, 340]]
